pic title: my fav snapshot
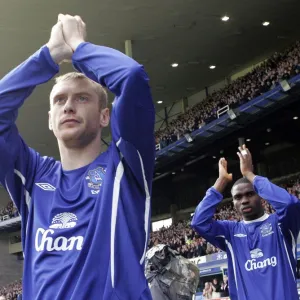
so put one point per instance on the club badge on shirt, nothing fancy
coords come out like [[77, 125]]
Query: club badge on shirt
[[266, 229], [95, 178]]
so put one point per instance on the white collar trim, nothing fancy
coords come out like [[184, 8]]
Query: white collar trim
[[262, 218]]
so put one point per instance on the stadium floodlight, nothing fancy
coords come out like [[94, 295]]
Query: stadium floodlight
[[225, 18]]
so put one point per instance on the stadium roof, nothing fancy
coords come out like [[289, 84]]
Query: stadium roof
[[188, 32]]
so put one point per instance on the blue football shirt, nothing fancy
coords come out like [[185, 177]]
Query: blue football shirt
[[261, 253], [84, 231]]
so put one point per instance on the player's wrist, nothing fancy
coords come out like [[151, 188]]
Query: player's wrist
[[59, 54], [249, 175], [56, 53], [75, 43], [221, 183]]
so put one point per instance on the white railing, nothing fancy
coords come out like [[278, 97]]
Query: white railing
[[6, 222], [222, 111]]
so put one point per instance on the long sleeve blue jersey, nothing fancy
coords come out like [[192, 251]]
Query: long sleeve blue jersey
[[85, 231], [261, 253]]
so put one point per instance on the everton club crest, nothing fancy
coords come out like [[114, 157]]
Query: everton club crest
[[95, 178]]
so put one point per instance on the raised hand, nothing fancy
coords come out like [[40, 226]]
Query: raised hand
[[59, 50], [246, 164], [224, 176], [223, 172], [74, 30]]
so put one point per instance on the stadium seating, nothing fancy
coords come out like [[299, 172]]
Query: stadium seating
[[265, 77], [11, 291]]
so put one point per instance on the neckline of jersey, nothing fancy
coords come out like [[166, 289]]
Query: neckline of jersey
[[262, 218]]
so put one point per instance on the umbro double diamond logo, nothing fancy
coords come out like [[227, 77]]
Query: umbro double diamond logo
[[46, 186]]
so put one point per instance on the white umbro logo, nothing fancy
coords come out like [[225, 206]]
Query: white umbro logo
[[46, 186], [240, 235]]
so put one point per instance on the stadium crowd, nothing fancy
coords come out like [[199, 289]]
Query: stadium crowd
[[216, 289], [8, 212], [261, 79], [11, 291]]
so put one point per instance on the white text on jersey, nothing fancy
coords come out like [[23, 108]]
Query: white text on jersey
[[253, 264], [43, 241]]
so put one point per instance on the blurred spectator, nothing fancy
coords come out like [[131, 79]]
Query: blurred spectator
[[216, 288], [207, 292], [8, 212], [261, 79], [11, 291], [224, 287]]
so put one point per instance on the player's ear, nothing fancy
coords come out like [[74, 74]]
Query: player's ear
[[104, 117], [49, 121]]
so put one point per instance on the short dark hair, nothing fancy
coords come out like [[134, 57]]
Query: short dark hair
[[241, 180]]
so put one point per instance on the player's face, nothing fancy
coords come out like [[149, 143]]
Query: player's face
[[247, 202], [75, 115]]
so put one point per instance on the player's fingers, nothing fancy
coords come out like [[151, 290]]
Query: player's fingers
[[60, 17], [247, 149], [220, 162], [240, 156], [242, 150], [225, 163], [56, 27], [248, 152], [78, 18]]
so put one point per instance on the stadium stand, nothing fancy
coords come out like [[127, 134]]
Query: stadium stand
[[11, 291], [280, 66], [8, 212]]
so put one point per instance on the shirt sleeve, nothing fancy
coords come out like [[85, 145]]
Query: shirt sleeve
[[18, 162], [287, 206], [215, 232]]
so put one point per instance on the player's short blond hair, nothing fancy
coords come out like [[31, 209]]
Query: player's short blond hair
[[101, 92]]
